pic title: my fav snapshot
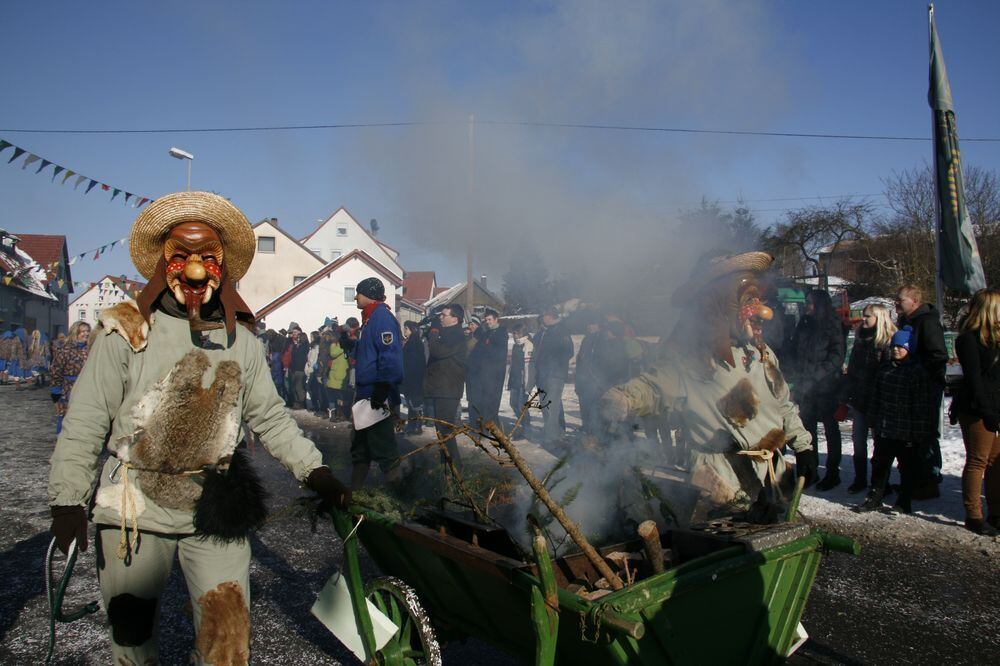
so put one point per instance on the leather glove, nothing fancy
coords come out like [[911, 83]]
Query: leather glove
[[614, 405], [380, 396], [841, 412], [806, 464], [331, 491], [68, 523]]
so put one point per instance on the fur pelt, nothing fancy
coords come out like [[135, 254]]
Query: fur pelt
[[125, 320], [772, 441], [181, 426], [232, 502], [740, 405], [224, 634]]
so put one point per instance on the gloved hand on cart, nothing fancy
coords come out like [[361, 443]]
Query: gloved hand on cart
[[806, 464], [331, 491]]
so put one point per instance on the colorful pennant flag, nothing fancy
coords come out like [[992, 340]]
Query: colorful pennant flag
[[57, 169]]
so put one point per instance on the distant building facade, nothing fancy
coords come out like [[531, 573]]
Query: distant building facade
[[35, 282], [105, 293]]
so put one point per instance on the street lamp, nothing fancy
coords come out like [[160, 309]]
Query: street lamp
[[183, 155]]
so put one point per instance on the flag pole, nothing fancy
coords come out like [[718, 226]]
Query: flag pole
[[938, 284]]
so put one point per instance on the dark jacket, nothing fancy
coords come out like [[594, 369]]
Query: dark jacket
[[553, 350], [414, 368], [488, 359], [862, 368], [300, 354], [929, 334], [818, 348], [588, 378], [900, 405], [979, 393], [445, 377], [379, 355], [517, 379]]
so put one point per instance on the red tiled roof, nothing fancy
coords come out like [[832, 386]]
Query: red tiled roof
[[45, 249], [440, 290], [418, 286]]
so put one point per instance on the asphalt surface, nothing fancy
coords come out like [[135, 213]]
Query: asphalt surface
[[903, 601]]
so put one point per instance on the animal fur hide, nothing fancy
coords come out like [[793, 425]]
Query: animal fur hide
[[232, 501], [125, 320], [740, 405], [181, 426]]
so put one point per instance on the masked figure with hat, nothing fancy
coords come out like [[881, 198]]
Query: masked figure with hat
[[724, 387], [378, 372], [168, 381]]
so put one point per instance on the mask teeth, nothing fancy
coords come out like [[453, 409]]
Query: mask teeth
[[179, 294], [208, 294]]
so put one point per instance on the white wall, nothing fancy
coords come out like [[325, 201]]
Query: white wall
[[101, 296], [326, 299], [271, 275], [327, 242]]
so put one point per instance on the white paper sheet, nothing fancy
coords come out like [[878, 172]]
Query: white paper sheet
[[365, 416], [333, 608]]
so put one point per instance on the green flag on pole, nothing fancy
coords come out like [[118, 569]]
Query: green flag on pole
[[959, 265]]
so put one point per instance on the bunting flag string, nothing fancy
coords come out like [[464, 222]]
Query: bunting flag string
[[137, 201], [96, 252]]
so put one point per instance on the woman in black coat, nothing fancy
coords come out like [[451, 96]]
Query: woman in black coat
[[414, 367], [977, 405], [818, 348], [871, 348]]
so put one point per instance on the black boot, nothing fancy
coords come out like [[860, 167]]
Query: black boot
[[858, 485], [872, 502], [980, 526], [829, 482]]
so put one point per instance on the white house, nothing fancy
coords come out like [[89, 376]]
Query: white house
[[281, 262], [105, 293], [329, 292], [340, 234]]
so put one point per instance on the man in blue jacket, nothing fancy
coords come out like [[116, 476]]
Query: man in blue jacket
[[377, 375]]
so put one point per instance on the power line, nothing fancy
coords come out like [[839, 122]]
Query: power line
[[510, 123]]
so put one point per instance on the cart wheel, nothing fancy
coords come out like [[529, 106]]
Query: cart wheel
[[414, 643]]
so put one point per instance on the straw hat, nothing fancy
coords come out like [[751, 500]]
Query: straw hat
[[159, 217], [716, 267]]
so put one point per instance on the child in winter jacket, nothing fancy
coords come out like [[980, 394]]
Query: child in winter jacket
[[900, 415]]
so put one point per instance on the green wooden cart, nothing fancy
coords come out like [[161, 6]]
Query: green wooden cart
[[729, 594]]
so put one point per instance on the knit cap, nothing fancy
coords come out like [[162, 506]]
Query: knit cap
[[904, 338]]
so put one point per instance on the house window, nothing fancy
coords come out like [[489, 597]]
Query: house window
[[348, 294], [341, 229], [335, 254], [298, 278], [265, 244], [82, 315]]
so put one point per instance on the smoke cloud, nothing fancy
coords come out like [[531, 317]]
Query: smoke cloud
[[597, 199]]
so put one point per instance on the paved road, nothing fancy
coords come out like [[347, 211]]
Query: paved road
[[901, 602]]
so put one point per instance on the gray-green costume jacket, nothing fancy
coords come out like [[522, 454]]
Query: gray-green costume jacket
[[722, 410], [131, 387]]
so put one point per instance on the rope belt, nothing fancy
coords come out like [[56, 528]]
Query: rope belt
[[763, 456], [126, 544]]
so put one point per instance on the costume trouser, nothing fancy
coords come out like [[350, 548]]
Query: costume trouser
[[819, 407], [552, 415], [444, 409], [218, 582], [859, 434], [888, 450], [982, 461]]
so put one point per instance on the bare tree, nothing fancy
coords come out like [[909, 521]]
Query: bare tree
[[808, 233]]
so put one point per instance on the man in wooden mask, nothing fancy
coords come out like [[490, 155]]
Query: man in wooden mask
[[168, 382]]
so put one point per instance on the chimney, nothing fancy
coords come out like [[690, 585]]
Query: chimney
[[274, 221], [482, 281]]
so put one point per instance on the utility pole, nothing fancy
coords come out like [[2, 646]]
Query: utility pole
[[469, 286]]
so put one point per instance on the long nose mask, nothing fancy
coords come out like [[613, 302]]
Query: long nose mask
[[194, 255]]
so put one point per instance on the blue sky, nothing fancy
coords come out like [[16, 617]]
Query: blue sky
[[844, 67]]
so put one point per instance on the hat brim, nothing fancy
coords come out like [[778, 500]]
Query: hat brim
[[755, 262], [159, 217]]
